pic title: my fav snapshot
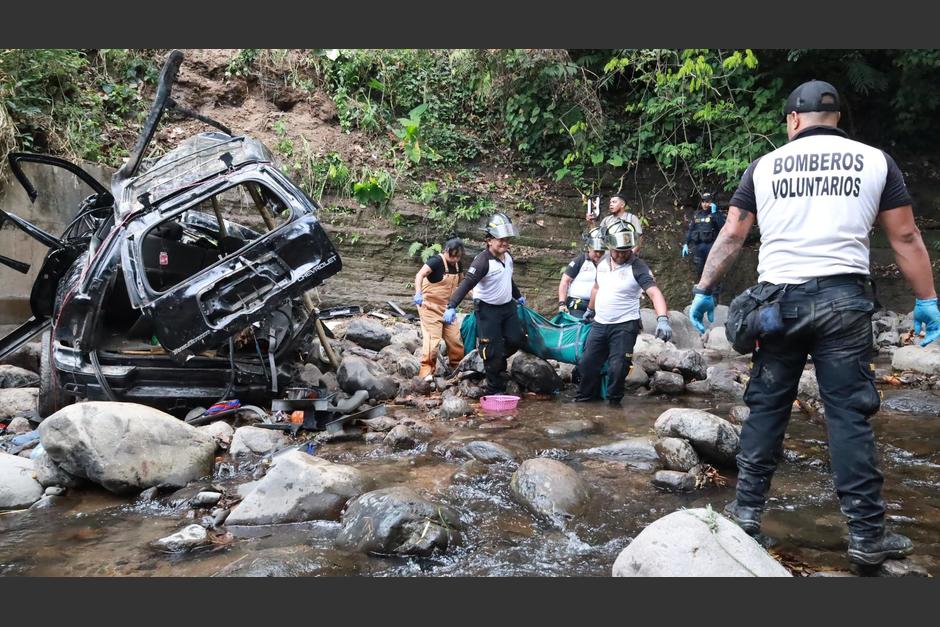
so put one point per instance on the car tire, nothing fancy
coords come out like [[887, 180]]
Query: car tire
[[52, 395]]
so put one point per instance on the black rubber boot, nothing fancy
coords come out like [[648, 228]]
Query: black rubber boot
[[873, 551], [747, 518]]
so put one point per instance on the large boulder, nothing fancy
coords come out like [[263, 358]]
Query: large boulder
[[397, 359], [49, 473], [713, 438], [549, 489], [676, 454], [397, 521], [684, 335], [689, 363], [409, 340], [358, 373], [16, 377], [257, 441], [126, 447], [695, 543], [299, 487], [18, 402], [670, 383], [534, 373], [489, 452], [724, 383], [925, 360], [18, 486], [368, 334]]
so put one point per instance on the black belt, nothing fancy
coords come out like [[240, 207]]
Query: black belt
[[837, 279]]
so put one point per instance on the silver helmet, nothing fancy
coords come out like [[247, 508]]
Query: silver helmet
[[621, 236], [596, 240], [499, 226]]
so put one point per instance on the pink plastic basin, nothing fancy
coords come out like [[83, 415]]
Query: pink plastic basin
[[499, 402]]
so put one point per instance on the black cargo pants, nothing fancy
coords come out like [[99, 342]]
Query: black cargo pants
[[500, 335], [614, 344], [830, 319]]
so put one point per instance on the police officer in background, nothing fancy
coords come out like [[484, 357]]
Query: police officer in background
[[574, 290], [495, 296], [815, 200], [703, 229], [615, 297]]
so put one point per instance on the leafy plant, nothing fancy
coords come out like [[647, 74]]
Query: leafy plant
[[375, 188], [423, 250]]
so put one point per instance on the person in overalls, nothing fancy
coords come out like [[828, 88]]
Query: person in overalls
[[574, 290], [703, 230], [434, 285], [495, 298]]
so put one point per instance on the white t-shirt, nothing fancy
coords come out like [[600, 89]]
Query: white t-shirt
[[619, 289], [627, 217], [583, 273], [816, 199]]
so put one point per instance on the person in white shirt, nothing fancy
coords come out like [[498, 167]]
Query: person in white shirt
[[619, 211], [577, 282], [614, 310]]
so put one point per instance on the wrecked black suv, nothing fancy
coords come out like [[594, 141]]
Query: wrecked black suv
[[183, 284]]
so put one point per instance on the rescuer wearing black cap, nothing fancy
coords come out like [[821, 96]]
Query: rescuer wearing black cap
[[703, 229], [815, 200]]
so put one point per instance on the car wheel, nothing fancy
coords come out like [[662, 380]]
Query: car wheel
[[52, 395]]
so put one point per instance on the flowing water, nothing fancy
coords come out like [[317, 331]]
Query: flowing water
[[96, 533]]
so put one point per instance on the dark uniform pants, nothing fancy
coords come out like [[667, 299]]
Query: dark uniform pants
[[500, 335], [613, 343], [830, 319]]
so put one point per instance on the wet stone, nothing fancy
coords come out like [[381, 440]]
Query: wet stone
[[676, 454], [489, 452], [674, 481], [186, 539], [667, 383], [568, 428], [913, 402]]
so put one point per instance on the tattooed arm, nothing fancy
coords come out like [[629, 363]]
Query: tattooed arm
[[727, 246]]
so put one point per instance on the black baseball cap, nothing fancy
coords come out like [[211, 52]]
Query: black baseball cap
[[812, 96]]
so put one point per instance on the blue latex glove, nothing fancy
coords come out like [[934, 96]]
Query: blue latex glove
[[521, 300], [702, 304], [450, 315], [927, 317], [714, 208], [588, 315], [685, 250], [418, 299], [663, 330]]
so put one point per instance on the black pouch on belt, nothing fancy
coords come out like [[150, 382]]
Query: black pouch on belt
[[752, 314]]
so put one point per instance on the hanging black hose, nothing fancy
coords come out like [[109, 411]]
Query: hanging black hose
[[99, 375]]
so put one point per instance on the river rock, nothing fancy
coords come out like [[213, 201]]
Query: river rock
[[397, 521], [717, 340], [16, 377], [19, 425], [689, 363], [739, 413], [18, 486], [471, 362], [206, 498], [809, 386], [489, 452], [49, 473], [534, 373], [188, 538], [673, 481], [468, 388], [454, 407], [723, 382], [126, 447], [714, 439], [888, 338], [17, 402], [676, 454], [638, 451], [925, 360], [299, 487], [549, 489], [670, 383], [646, 352], [368, 334], [358, 373], [396, 359], [258, 441], [695, 543], [409, 340], [401, 437], [568, 428], [699, 388], [379, 423], [25, 357], [565, 372], [913, 402], [221, 431]]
